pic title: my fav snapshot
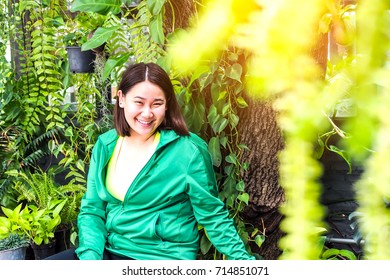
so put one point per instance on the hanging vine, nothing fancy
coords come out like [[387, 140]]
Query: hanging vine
[[370, 129], [281, 69]]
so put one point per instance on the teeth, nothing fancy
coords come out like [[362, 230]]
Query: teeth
[[146, 123]]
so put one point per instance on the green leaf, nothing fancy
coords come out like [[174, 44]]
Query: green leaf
[[80, 165], [234, 72], [241, 102], [205, 244], [226, 108], [318, 150], [27, 4], [231, 159], [215, 151], [221, 125], [223, 140], [113, 62], [240, 186], [199, 71], [212, 116], [98, 6], [259, 240], [155, 6], [222, 95], [58, 209], [69, 132], [234, 120], [244, 198], [347, 254], [334, 253], [343, 155], [101, 35], [156, 29], [233, 56], [38, 240]]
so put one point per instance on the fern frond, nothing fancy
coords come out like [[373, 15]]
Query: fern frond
[[45, 136]]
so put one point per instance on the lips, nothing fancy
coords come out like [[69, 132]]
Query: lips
[[144, 122]]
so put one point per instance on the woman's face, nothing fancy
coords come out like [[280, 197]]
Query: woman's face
[[144, 107]]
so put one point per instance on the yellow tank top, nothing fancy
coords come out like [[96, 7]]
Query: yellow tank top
[[115, 184]]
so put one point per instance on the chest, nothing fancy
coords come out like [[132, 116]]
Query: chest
[[131, 160], [124, 166]]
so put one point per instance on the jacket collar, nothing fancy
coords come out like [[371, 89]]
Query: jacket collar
[[166, 137], [110, 137]]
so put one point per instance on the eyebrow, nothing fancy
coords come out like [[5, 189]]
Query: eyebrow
[[143, 98]]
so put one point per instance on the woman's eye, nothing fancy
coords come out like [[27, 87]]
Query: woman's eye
[[157, 104]]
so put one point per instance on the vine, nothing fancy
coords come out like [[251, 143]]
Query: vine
[[81, 131], [371, 134], [210, 100], [226, 88]]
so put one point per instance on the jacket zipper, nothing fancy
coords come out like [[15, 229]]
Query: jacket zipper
[[136, 179]]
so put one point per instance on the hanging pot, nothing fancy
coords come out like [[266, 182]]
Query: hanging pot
[[80, 61]]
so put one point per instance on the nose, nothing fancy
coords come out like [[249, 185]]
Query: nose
[[147, 112]]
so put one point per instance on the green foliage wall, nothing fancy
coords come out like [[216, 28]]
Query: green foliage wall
[[209, 80], [36, 123]]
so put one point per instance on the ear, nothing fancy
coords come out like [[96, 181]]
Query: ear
[[120, 94], [121, 98]]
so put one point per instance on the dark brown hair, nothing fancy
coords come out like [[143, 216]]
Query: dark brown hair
[[140, 72]]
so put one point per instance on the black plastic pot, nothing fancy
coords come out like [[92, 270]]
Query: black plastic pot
[[62, 237], [44, 250], [80, 61]]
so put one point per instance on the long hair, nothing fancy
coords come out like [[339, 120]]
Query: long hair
[[140, 72]]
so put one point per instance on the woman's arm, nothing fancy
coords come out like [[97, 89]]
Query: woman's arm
[[209, 209], [91, 219]]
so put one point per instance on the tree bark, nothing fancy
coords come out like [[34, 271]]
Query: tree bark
[[178, 14], [258, 129]]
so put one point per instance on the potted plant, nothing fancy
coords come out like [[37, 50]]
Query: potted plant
[[13, 240], [10, 222], [77, 31], [38, 225], [39, 189], [73, 193], [13, 247], [80, 61]]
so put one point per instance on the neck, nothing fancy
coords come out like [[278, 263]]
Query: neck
[[137, 140]]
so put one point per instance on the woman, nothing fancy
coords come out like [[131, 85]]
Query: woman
[[151, 181]]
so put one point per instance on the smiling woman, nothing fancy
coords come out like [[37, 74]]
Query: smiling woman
[[144, 108], [151, 182]]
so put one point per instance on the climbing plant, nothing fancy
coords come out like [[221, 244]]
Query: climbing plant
[[371, 141], [31, 95]]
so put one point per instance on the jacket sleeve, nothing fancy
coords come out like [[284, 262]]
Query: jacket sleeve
[[209, 209], [92, 217]]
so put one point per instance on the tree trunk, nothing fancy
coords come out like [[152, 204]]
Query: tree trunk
[[178, 14], [258, 130]]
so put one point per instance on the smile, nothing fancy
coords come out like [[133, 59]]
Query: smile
[[143, 122]]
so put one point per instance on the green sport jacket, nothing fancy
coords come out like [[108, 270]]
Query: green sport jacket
[[158, 219]]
